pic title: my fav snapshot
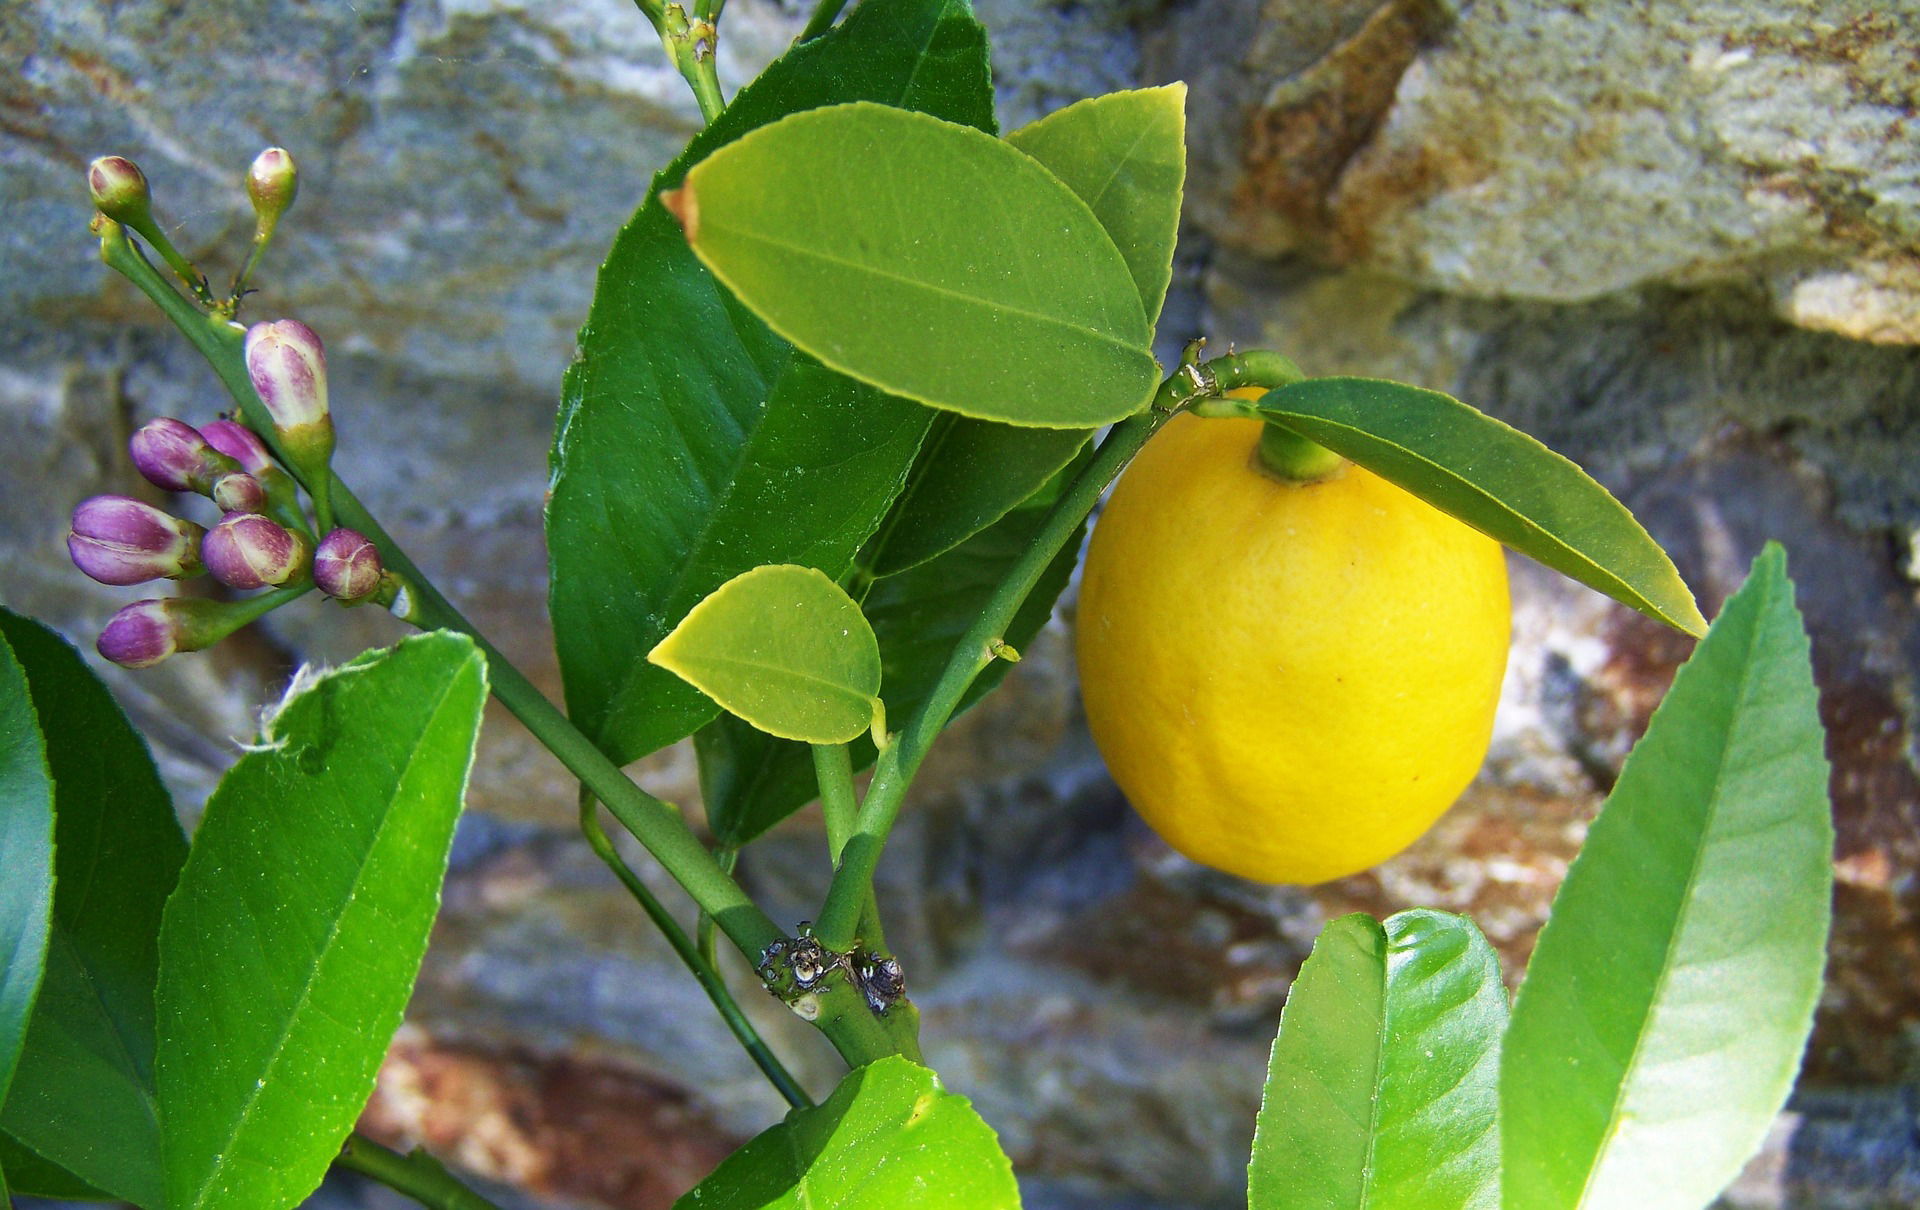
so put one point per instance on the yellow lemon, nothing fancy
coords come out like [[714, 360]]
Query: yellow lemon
[[1290, 681]]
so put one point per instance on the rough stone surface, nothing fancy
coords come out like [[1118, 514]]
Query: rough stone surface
[[1529, 149], [1675, 241]]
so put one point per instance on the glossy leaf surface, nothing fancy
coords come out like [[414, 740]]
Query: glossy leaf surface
[[929, 259], [1496, 479], [750, 781], [290, 947], [82, 1096], [1668, 1001], [890, 1135], [784, 648], [26, 856], [1125, 155], [693, 444], [1383, 1084]]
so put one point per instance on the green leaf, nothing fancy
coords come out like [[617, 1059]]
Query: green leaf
[[31, 1176], [1125, 155], [750, 781], [970, 473], [1383, 1085], [82, 1096], [784, 648], [1668, 1001], [693, 444], [26, 854], [1496, 479], [890, 1135], [291, 944], [929, 259]]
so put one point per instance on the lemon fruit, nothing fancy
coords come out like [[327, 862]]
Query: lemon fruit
[[1290, 681]]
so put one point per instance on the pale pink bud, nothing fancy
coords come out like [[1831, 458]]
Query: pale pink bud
[[120, 190], [288, 367], [239, 492], [119, 540], [173, 455], [248, 551], [239, 443], [271, 183], [140, 635]]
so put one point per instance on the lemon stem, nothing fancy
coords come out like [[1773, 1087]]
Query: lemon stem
[[1288, 456]]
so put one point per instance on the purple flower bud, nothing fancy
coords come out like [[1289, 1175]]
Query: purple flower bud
[[248, 551], [238, 442], [347, 567], [140, 635], [239, 492], [120, 190], [118, 540], [289, 369], [175, 456], [271, 182]]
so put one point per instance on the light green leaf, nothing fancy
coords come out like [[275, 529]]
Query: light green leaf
[[82, 1096], [693, 444], [1383, 1086], [786, 649], [929, 259], [1662, 1019], [26, 855], [890, 1135], [1496, 479], [290, 946], [1125, 155]]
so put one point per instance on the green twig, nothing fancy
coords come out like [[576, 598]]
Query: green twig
[[698, 961], [416, 1174], [822, 19], [833, 769], [853, 881], [703, 932]]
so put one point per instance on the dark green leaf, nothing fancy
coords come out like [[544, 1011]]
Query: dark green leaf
[[969, 474], [693, 444], [82, 1096], [888, 1136], [784, 648], [1125, 154], [1383, 1085], [26, 855], [31, 1176], [290, 947], [1670, 996], [1496, 479], [929, 259], [751, 782]]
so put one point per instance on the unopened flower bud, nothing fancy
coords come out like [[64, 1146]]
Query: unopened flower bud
[[119, 540], [120, 191], [173, 455], [239, 492], [347, 567], [240, 443], [248, 551], [271, 183], [140, 635], [288, 367]]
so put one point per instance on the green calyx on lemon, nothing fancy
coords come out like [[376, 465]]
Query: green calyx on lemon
[[1290, 681]]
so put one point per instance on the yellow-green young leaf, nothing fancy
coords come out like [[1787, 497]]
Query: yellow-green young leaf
[[1663, 1015], [890, 1136], [1383, 1088], [1125, 154], [786, 649], [930, 259], [1496, 479], [289, 949]]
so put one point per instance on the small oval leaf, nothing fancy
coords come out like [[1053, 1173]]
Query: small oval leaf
[[929, 259], [786, 649], [1670, 996], [1496, 479]]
